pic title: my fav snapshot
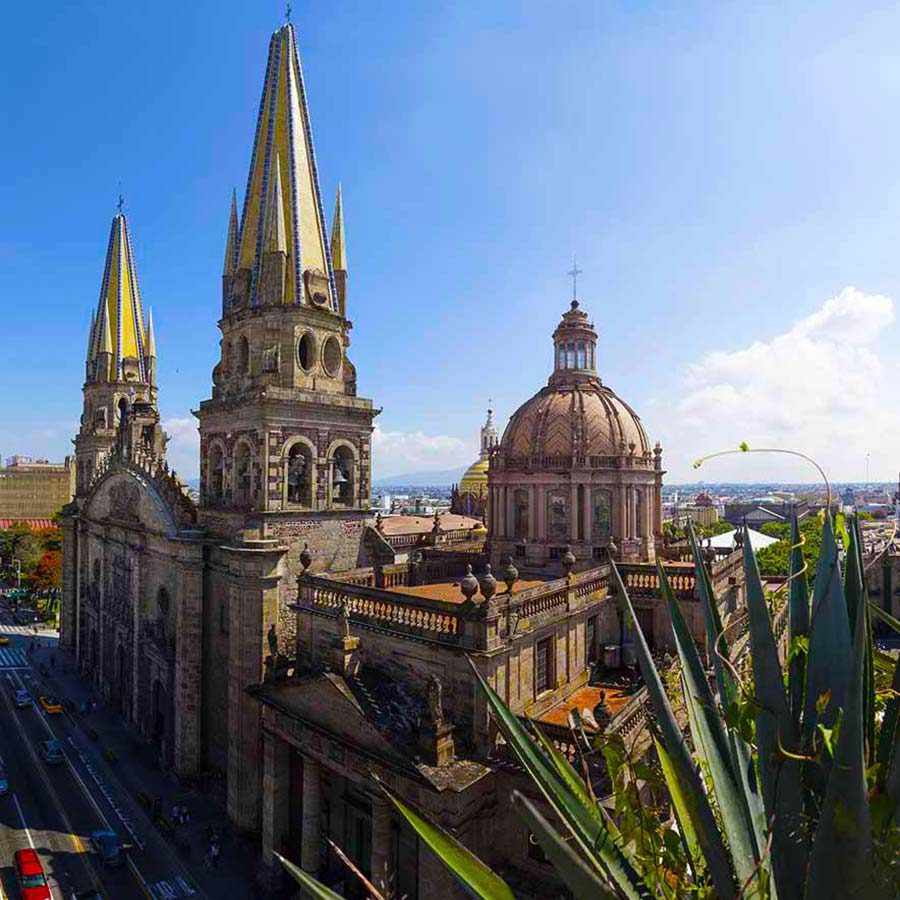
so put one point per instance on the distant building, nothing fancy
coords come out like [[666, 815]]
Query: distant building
[[35, 488], [470, 496], [756, 513]]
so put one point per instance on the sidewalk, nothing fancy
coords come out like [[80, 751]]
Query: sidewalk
[[135, 770]]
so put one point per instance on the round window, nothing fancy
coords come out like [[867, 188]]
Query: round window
[[331, 355], [306, 351]]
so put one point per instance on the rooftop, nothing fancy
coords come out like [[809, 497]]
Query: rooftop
[[586, 699], [449, 591]]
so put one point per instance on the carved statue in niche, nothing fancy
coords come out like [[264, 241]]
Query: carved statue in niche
[[272, 359], [273, 641], [434, 692], [296, 475]]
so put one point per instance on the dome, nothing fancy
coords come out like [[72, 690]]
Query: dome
[[578, 418], [475, 479]]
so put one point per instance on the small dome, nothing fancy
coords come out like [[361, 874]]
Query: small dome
[[475, 479], [579, 418]]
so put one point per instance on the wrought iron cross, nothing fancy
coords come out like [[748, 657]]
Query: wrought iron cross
[[573, 273], [287, 13], [121, 203]]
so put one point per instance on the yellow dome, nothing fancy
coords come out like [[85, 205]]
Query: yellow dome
[[475, 479]]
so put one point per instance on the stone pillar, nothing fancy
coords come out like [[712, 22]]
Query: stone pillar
[[311, 822], [532, 512], [69, 611], [586, 519], [501, 511], [621, 526], [573, 515], [188, 672], [382, 862], [275, 797]]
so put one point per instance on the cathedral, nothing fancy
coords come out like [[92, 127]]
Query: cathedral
[[275, 638]]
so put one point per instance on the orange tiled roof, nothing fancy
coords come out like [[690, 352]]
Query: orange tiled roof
[[588, 698], [449, 591], [393, 525], [32, 523]]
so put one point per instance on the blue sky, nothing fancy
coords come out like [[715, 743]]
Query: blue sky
[[726, 174]]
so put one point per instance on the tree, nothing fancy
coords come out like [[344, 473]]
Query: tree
[[51, 538], [20, 542], [720, 527], [47, 573]]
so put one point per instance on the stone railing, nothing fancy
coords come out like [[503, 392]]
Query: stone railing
[[622, 461], [435, 620], [553, 596], [643, 579]]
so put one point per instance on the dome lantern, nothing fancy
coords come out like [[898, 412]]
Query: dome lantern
[[574, 347]]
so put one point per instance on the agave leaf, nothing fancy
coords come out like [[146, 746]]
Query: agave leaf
[[680, 806], [587, 828], [780, 776], [471, 872], [891, 720], [798, 617], [312, 888], [584, 884], [574, 781], [712, 744], [841, 862], [885, 616], [696, 802], [712, 621], [830, 647]]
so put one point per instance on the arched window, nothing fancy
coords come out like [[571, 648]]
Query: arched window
[[244, 354], [571, 362], [601, 513], [298, 475], [215, 477], [243, 475], [561, 356], [342, 477], [227, 356], [582, 357], [122, 409]]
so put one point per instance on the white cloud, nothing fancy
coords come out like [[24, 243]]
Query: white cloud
[[821, 388], [403, 452], [183, 451]]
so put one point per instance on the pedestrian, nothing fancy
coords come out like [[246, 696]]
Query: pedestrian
[[214, 855], [93, 706], [185, 815], [176, 815]]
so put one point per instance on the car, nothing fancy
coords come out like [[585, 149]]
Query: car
[[30, 875], [108, 847], [51, 752], [4, 784], [89, 894], [4, 639], [23, 699], [50, 704]]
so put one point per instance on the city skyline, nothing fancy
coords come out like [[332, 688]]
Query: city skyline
[[748, 282]]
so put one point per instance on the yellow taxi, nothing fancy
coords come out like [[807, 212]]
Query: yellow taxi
[[3, 640], [50, 705]]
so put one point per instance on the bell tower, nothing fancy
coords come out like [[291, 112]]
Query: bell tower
[[120, 364], [284, 433]]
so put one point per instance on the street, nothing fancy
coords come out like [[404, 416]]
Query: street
[[54, 809]]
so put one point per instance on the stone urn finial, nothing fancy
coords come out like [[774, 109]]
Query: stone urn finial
[[611, 549], [305, 558], [379, 523], [488, 583], [510, 575], [468, 584], [568, 560]]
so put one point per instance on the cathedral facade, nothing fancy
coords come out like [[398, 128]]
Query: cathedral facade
[[173, 607]]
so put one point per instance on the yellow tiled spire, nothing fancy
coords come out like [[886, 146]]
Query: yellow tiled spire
[[151, 340], [283, 131], [338, 241], [274, 234], [120, 329]]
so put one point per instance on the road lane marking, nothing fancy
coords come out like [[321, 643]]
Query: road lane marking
[[24, 823]]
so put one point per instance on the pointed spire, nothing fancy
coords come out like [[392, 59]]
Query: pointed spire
[[231, 246], [119, 322], [338, 241], [151, 340], [91, 336], [283, 131], [274, 236]]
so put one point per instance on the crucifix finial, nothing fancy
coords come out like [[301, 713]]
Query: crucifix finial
[[121, 203], [287, 13], [573, 273]]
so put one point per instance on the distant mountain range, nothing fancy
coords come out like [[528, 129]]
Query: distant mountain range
[[435, 478]]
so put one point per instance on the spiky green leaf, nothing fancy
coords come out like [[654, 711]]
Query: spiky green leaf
[[840, 864], [696, 802], [780, 776], [711, 744], [587, 828], [798, 621], [313, 889], [581, 881], [470, 871]]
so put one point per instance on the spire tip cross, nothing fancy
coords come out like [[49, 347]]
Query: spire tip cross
[[573, 273], [121, 203], [287, 13]]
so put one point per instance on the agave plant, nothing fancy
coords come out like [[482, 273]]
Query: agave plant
[[786, 783]]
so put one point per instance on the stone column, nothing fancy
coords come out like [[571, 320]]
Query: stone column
[[532, 512], [573, 515], [275, 796], [311, 824], [586, 519], [501, 510], [382, 861]]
